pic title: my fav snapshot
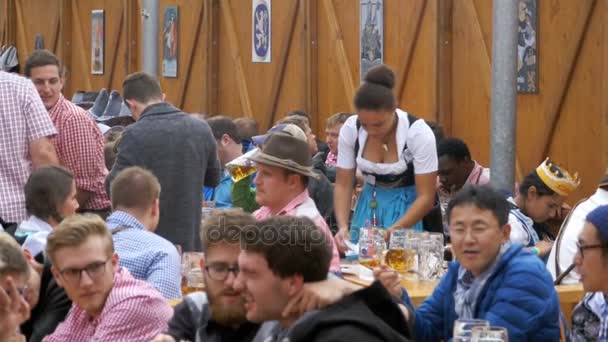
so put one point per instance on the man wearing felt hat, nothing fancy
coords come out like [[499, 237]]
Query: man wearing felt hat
[[284, 166], [564, 251]]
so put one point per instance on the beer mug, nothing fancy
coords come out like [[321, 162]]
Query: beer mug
[[371, 247], [192, 274], [399, 257], [241, 167]]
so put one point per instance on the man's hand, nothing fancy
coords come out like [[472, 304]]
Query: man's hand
[[390, 280], [317, 295], [163, 338], [14, 310]]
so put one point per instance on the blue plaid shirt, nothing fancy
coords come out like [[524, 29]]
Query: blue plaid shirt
[[146, 255]]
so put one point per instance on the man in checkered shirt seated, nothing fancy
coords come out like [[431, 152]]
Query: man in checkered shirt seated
[[108, 303], [135, 196]]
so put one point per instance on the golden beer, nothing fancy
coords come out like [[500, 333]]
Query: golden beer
[[239, 172], [189, 289], [401, 260]]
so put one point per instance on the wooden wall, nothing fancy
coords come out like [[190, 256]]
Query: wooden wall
[[440, 51]]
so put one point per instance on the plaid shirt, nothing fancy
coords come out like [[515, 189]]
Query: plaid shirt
[[23, 119], [79, 145], [303, 205], [147, 256], [134, 311]]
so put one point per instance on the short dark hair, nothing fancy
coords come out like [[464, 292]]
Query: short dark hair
[[301, 113], [291, 246], [134, 188], [40, 58], [338, 119], [453, 148], [247, 127], [296, 120], [224, 226], [483, 197], [221, 125], [376, 93], [46, 189], [141, 87], [532, 179]]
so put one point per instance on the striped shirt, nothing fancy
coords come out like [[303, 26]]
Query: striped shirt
[[303, 205], [79, 146], [147, 256], [134, 311], [23, 119]]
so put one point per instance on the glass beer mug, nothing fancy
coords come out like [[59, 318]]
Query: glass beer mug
[[241, 167]]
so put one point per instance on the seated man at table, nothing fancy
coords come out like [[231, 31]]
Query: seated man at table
[[108, 303], [492, 280], [219, 313], [282, 254], [590, 316], [135, 194]]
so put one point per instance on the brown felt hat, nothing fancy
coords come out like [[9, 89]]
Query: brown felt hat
[[287, 152]]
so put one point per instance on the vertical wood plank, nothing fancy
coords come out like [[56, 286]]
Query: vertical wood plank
[[116, 43], [444, 65], [410, 37], [65, 45], [604, 107], [212, 54], [192, 50], [572, 53], [340, 51], [79, 45], [277, 82], [236, 59], [311, 60], [21, 30]]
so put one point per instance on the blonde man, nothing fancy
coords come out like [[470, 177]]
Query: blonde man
[[108, 303]]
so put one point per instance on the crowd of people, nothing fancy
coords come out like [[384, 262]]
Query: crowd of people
[[94, 218]]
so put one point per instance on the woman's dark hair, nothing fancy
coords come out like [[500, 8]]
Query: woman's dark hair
[[45, 190], [533, 179], [376, 93]]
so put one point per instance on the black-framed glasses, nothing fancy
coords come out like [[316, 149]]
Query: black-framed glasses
[[94, 271], [582, 248], [219, 272]]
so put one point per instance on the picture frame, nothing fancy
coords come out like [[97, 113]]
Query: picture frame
[[97, 41]]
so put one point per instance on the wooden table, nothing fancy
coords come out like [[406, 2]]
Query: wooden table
[[569, 295]]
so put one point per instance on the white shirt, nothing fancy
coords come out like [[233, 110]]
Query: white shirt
[[37, 232], [421, 148], [570, 232], [522, 227]]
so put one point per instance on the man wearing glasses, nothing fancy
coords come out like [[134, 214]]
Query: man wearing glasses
[[219, 313], [590, 316], [108, 303]]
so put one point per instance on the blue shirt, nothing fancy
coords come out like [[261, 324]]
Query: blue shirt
[[147, 256], [222, 194]]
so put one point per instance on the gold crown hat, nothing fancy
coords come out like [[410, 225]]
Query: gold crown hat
[[557, 178]]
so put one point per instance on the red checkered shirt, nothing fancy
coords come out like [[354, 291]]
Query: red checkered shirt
[[79, 145], [23, 119], [134, 311]]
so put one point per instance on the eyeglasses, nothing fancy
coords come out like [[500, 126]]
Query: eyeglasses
[[219, 272], [94, 271], [582, 248]]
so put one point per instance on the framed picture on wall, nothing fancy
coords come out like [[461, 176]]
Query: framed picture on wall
[[97, 41], [170, 41], [527, 54], [261, 40], [371, 34]]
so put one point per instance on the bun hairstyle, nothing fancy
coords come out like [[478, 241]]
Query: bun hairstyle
[[376, 93]]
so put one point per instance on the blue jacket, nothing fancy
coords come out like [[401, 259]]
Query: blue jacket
[[519, 296]]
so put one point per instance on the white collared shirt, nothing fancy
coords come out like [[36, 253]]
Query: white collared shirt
[[37, 232], [570, 233]]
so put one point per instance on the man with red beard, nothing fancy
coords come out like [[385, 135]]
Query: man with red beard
[[219, 313]]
